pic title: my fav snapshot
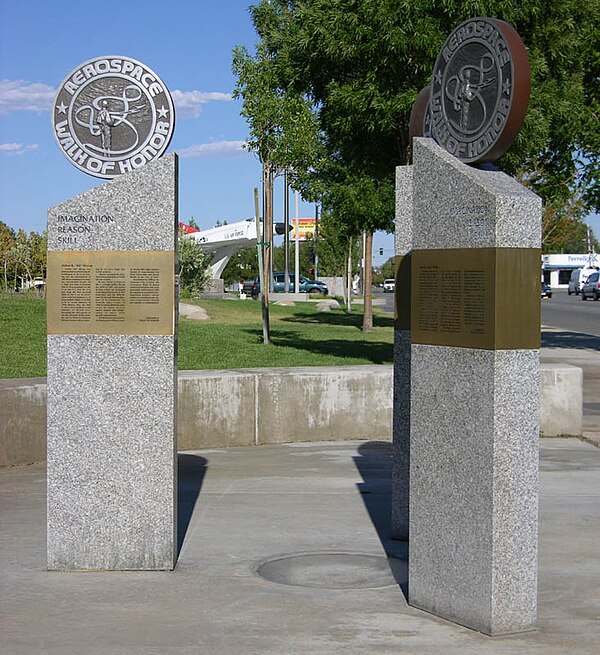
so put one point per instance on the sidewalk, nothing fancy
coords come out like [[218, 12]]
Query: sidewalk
[[242, 506]]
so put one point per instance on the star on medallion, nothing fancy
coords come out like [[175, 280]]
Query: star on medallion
[[438, 77], [506, 87], [163, 112], [62, 108]]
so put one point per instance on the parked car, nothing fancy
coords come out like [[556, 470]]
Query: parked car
[[247, 286], [578, 278], [389, 285], [546, 290], [306, 285], [591, 288]]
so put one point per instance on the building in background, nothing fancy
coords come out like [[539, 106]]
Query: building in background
[[557, 269]]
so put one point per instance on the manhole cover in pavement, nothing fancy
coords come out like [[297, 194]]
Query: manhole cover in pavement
[[334, 570]]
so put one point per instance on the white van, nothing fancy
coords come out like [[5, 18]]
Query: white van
[[389, 285], [578, 279]]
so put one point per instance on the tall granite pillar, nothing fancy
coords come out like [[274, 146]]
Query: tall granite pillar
[[474, 394], [401, 412], [112, 376]]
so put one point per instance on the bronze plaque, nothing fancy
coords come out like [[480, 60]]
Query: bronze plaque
[[111, 292], [486, 298]]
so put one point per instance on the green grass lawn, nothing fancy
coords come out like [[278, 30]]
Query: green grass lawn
[[232, 338]]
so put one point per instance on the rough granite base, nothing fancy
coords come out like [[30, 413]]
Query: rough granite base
[[401, 436], [401, 420], [111, 452], [473, 486]]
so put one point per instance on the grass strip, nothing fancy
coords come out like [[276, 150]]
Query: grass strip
[[231, 338]]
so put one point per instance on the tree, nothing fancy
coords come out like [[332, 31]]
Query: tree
[[362, 64], [7, 242], [23, 256], [356, 68], [243, 265], [194, 268], [386, 271], [38, 247]]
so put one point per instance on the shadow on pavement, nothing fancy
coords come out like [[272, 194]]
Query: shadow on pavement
[[374, 462], [565, 339], [191, 470]]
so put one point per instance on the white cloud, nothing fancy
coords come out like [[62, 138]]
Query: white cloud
[[16, 148], [19, 95], [215, 149], [189, 103]]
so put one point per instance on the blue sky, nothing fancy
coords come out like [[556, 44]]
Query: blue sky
[[188, 44]]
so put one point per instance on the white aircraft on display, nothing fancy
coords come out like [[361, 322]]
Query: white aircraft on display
[[224, 241]]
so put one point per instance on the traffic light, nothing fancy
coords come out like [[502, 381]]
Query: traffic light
[[280, 228], [380, 252], [311, 255]]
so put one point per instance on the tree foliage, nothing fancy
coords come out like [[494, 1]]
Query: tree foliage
[[194, 268], [22, 257], [331, 85], [386, 271], [243, 265]]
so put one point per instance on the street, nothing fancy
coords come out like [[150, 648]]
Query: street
[[571, 313]]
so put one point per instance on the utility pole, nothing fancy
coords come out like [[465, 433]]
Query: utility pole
[[297, 248], [349, 277], [264, 292], [268, 224], [316, 241], [286, 232]]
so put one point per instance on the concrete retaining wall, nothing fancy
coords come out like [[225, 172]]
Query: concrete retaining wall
[[22, 421], [277, 405], [561, 401]]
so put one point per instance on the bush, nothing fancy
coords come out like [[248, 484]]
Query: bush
[[194, 268]]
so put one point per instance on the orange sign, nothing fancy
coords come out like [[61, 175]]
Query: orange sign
[[306, 229]]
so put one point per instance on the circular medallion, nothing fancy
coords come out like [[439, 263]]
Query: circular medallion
[[420, 115], [479, 90], [112, 115]]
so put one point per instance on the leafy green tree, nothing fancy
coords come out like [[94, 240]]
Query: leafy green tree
[[355, 68], [385, 272], [23, 256], [7, 242], [335, 239], [362, 64], [38, 247], [194, 268], [243, 265]]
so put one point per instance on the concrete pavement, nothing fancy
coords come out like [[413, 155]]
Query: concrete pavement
[[240, 507]]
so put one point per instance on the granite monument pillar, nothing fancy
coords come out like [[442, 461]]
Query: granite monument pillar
[[112, 376]]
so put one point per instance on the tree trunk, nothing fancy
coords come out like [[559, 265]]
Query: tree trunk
[[368, 284]]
